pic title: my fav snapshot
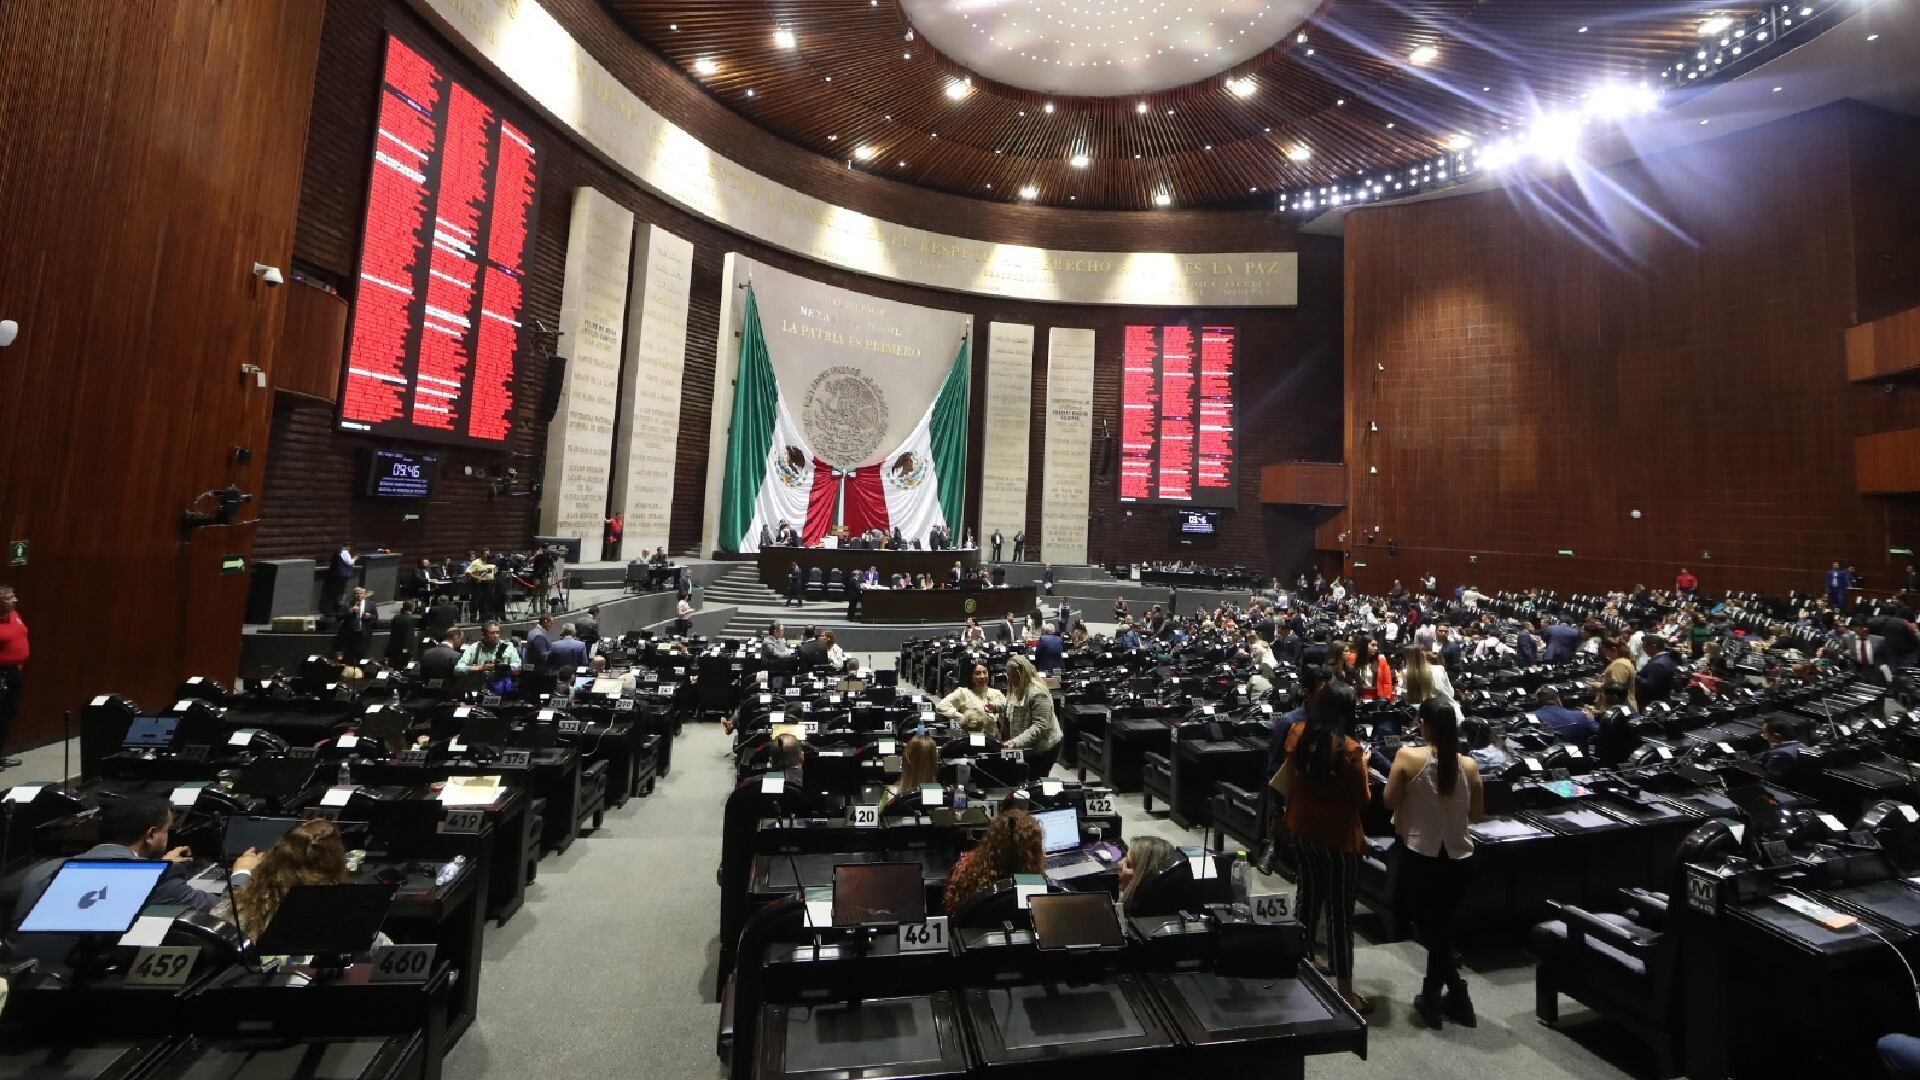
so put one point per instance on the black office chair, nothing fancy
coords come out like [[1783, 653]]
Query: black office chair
[[816, 584], [1172, 888], [836, 584]]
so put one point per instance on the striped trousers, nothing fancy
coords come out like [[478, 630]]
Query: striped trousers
[[1326, 895]]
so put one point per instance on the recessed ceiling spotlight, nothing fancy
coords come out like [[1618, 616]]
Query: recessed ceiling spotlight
[[1299, 153], [1141, 108], [1080, 161], [906, 56], [1209, 146], [1459, 140], [959, 88], [749, 91], [1048, 107], [1424, 54], [1777, 89], [784, 38], [833, 138], [1242, 87], [1873, 37], [1714, 25], [1162, 199], [705, 66], [673, 26], [903, 164], [1582, 30], [1028, 191], [1300, 38], [1340, 101], [864, 153]]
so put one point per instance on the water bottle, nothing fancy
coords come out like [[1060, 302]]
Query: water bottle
[[344, 776], [962, 773], [449, 871], [1242, 880]]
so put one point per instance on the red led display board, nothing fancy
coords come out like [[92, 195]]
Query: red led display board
[[436, 313], [1176, 415]]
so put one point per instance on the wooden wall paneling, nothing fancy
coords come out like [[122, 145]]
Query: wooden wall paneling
[[313, 343], [1304, 483], [1885, 347], [1290, 377], [1695, 376], [136, 193], [1887, 462], [1883, 155]]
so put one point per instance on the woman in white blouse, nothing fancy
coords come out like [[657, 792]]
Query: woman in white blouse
[[976, 706]]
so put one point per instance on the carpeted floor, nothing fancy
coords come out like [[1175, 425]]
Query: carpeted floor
[[602, 972]]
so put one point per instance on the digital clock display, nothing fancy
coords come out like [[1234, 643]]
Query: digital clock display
[[395, 475]]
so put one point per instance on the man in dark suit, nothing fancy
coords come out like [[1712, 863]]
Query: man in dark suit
[[956, 576], [1525, 645], [1046, 580], [567, 654], [1317, 651], [403, 634], [441, 617], [813, 653], [437, 661], [1019, 544], [1450, 647], [1009, 629], [1066, 617], [1567, 724], [683, 588], [996, 540], [339, 572], [1050, 651], [1563, 639], [354, 639], [1286, 644], [1660, 676], [588, 627], [1173, 602], [895, 541], [539, 643], [1838, 582], [1865, 650]]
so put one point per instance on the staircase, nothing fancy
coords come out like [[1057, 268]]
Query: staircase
[[754, 604]]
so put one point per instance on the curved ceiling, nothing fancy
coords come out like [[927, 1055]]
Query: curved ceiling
[[1351, 90], [1099, 48]]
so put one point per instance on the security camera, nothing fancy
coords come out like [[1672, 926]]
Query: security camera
[[269, 274], [8, 331]]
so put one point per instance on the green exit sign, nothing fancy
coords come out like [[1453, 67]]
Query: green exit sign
[[1900, 551], [16, 553], [233, 564], [1566, 553]]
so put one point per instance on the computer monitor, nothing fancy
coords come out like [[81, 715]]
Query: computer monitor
[[94, 896], [252, 831], [583, 683], [1060, 829], [326, 919], [151, 733], [486, 729], [878, 894], [275, 777], [1075, 921]]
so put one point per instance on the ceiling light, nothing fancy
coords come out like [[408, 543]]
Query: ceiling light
[[1425, 54], [784, 38], [1048, 106], [1079, 161], [705, 66], [833, 138], [906, 56], [959, 88], [1141, 108], [1028, 191], [1582, 30], [749, 91], [1777, 89], [1554, 136], [1459, 141], [1301, 37], [1162, 199], [1299, 153], [1614, 101], [1714, 25], [1242, 87], [864, 153], [903, 164], [673, 26], [1873, 37]]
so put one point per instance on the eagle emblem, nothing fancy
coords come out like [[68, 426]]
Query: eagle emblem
[[790, 465], [906, 471]]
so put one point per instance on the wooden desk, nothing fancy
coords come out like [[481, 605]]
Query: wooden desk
[[775, 563], [945, 605]]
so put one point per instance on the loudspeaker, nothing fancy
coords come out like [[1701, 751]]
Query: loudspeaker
[[556, 381]]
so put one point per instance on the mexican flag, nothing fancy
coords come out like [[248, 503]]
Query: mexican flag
[[772, 475]]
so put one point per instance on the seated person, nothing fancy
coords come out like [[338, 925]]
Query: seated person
[[135, 827], [1013, 844], [976, 706], [1783, 747], [310, 853], [1145, 856], [919, 764], [1576, 726], [1478, 735]]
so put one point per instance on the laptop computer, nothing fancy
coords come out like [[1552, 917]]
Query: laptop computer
[[251, 831], [1060, 839]]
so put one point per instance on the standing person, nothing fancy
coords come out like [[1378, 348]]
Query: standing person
[[1434, 792], [441, 617], [1838, 582], [569, 654], [1685, 583], [1173, 602], [796, 594], [1020, 546], [996, 540], [403, 634], [539, 643], [1421, 678], [682, 618], [1046, 579], [1031, 726], [340, 571], [1616, 686], [14, 652], [977, 706], [354, 638], [1325, 783], [588, 626], [616, 526], [1376, 674]]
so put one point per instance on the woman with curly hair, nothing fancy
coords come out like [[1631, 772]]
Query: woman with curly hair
[[310, 853], [1012, 845]]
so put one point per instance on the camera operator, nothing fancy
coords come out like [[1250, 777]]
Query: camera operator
[[492, 656]]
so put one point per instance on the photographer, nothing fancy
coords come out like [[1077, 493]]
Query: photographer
[[492, 656]]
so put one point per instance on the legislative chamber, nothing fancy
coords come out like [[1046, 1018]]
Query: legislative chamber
[[912, 539]]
